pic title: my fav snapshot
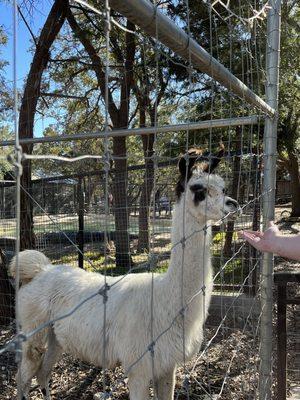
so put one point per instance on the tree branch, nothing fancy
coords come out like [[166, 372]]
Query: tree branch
[[128, 73], [98, 66], [63, 96], [40, 60]]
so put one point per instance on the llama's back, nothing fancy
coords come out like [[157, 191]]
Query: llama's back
[[56, 290]]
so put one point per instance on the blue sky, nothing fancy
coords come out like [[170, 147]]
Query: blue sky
[[24, 43]]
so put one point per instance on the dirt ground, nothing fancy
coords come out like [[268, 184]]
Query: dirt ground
[[228, 370], [290, 226], [234, 355]]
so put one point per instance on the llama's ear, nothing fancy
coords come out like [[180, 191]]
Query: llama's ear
[[214, 160], [185, 166], [187, 162]]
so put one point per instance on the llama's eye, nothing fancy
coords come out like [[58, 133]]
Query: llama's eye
[[199, 191], [223, 191], [198, 188]]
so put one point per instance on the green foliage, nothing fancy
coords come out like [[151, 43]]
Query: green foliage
[[234, 271], [289, 95], [220, 237], [185, 98], [5, 109], [5, 92], [5, 166]]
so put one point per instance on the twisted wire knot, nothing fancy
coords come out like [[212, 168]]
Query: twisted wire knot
[[151, 348], [103, 292]]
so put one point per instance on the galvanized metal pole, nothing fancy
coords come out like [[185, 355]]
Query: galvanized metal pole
[[208, 124], [18, 172], [80, 213], [156, 24], [281, 340], [269, 185]]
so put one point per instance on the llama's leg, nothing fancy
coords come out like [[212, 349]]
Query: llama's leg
[[31, 359], [50, 358], [164, 386], [138, 387]]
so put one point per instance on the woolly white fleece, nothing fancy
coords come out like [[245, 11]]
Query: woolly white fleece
[[54, 290]]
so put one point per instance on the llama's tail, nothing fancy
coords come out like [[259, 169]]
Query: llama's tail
[[30, 263]]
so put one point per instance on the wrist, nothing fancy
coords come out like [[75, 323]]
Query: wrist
[[278, 246]]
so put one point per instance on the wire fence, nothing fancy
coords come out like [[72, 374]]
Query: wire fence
[[125, 217], [56, 224]]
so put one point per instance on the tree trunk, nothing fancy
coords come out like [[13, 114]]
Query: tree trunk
[[7, 298], [147, 188], [89, 190], [227, 250], [119, 118], [30, 97], [120, 185], [293, 168], [123, 258]]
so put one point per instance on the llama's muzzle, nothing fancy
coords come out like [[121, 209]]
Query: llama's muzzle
[[232, 207]]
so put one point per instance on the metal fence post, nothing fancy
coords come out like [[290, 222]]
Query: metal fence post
[[80, 234], [281, 340], [269, 186]]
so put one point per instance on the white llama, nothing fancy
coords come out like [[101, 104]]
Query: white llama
[[49, 291]]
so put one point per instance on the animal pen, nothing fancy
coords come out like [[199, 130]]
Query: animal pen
[[115, 217]]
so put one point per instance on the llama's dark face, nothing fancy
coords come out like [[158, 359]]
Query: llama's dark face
[[204, 192]]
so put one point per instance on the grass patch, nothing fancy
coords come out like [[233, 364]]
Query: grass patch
[[69, 222], [220, 237], [233, 273]]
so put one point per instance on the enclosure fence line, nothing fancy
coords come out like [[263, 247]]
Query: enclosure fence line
[[149, 18], [215, 123], [23, 336]]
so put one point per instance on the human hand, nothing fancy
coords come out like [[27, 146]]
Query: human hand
[[263, 241]]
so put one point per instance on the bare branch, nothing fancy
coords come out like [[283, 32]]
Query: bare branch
[[97, 63], [27, 26], [62, 95]]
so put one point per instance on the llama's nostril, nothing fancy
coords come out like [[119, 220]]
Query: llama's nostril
[[232, 204]]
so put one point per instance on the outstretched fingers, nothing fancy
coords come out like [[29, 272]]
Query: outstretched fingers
[[250, 234]]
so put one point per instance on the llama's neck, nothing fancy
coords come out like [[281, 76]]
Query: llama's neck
[[190, 267]]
